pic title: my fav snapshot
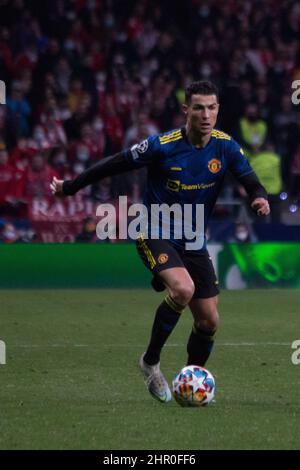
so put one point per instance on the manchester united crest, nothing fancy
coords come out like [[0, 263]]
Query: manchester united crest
[[163, 258], [214, 165]]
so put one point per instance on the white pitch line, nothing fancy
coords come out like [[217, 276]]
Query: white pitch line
[[269, 343], [171, 345]]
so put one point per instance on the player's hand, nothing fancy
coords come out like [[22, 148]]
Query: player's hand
[[57, 187], [261, 206]]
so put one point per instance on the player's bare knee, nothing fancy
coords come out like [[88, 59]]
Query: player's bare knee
[[213, 323], [183, 293], [208, 323]]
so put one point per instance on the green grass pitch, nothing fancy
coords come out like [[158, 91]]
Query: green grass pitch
[[71, 379]]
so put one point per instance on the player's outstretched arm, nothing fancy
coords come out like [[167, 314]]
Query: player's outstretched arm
[[109, 166], [245, 175], [257, 194]]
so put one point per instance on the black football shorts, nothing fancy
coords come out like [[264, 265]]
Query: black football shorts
[[158, 255]]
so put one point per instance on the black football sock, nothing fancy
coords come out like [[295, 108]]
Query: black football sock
[[199, 346], [166, 318]]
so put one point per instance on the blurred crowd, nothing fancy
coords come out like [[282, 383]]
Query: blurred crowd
[[86, 78]]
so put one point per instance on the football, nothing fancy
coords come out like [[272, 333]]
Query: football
[[193, 386]]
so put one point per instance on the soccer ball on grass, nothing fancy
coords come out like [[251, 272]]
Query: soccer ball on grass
[[193, 386]]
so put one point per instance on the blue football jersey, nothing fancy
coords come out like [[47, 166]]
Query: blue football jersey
[[180, 173]]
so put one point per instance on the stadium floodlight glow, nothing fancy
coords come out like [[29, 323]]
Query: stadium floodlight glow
[[283, 196], [293, 208]]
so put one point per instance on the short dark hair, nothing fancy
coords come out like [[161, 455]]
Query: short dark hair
[[202, 87]]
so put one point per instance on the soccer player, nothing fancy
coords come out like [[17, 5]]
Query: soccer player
[[185, 166]]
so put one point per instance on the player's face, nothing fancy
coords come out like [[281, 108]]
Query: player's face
[[202, 113]]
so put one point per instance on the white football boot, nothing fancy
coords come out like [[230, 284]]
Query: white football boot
[[155, 381]]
